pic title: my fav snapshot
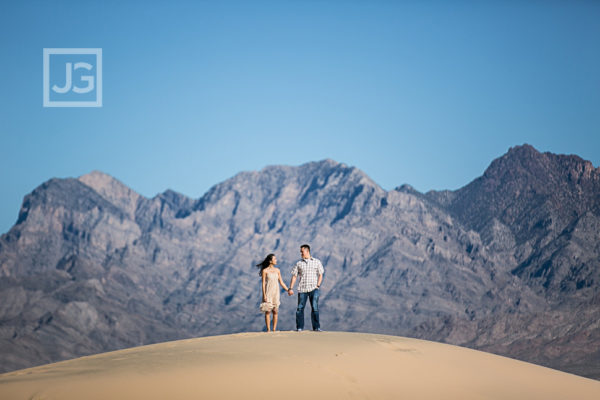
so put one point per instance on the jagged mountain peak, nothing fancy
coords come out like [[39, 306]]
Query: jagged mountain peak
[[525, 161], [172, 194], [535, 194], [175, 200], [307, 177], [524, 171], [526, 152], [323, 167], [95, 174], [518, 161], [331, 171], [66, 193], [112, 190], [69, 196], [406, 188], [524, 149]]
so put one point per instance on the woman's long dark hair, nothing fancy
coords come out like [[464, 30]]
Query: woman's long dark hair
[[266, 262]]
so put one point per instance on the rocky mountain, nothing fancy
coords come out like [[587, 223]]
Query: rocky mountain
[[507, 264], [539, 214]]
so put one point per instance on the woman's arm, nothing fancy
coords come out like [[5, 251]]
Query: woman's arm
[[264, 281], [281, 280]]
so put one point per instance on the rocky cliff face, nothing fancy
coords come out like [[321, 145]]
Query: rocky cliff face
[[508, 264], [539, 214]]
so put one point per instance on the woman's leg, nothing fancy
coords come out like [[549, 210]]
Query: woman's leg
[[268, 321], [275, 319]]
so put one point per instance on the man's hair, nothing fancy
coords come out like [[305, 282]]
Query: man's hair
[[305, 246]]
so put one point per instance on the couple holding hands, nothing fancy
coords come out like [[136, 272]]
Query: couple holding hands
[[309, 273]]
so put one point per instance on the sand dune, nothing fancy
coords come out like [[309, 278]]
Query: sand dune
[[291, 365]]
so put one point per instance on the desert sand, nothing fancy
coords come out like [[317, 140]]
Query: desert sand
[[293, 365]]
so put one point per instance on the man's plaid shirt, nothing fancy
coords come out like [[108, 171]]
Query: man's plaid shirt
[[308, 271]]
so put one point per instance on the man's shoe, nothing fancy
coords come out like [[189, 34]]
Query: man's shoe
[[299, 330], [318, 330]]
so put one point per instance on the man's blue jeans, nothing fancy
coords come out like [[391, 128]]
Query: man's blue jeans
[[313, 297]]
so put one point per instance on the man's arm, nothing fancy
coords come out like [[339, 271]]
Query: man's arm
[[294, 275], [291, 287], [320, 271]]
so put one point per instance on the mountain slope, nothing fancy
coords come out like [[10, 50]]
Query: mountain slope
[[92, 266], [540, 213]]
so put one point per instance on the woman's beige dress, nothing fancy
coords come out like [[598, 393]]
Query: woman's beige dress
[[271, 293]]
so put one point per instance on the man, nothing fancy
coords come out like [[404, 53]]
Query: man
[[310, 272]]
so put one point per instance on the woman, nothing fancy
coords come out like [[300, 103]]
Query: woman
[[271, 278]]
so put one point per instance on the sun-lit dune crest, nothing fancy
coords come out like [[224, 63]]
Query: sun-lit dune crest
[[296, 365]]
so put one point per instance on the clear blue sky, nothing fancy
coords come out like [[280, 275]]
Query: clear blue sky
[[418, 92]]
